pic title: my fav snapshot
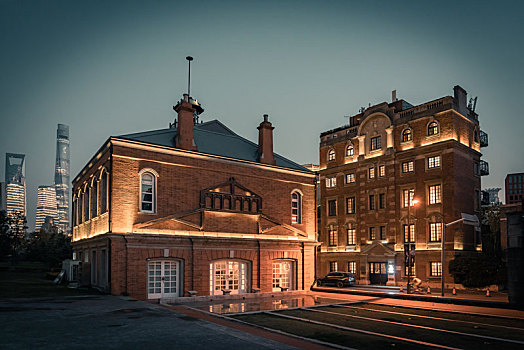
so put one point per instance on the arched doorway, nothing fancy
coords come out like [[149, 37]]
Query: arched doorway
[[283, 274], [229, 275]]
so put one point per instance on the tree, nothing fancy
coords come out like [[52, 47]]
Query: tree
[[12, 235], [49, 246]]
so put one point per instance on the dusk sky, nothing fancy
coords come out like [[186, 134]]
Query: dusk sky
[[110, 68]]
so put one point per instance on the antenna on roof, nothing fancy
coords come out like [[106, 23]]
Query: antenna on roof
[[189, 59]]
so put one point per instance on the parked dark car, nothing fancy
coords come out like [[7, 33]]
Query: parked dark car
[[339, 279]]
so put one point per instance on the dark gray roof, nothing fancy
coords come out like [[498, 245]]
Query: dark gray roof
[[215, 138]]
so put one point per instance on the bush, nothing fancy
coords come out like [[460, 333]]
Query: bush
[[478, 270]]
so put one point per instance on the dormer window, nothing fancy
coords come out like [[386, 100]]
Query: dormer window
[[433, 128], [331, 155], [350, 151], [407, 135]]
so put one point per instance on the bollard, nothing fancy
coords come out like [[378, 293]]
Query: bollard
[[429, 290], [487, 293], [454, 292]]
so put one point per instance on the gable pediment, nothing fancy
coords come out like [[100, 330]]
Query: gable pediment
[[377, 248], [230, 196]]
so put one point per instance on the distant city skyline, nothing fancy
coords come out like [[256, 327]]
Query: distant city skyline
[[111, 68], [62, 179]]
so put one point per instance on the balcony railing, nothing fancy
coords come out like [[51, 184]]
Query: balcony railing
[[483, 139], [484, 168]]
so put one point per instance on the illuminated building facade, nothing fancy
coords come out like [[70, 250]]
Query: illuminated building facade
[[46, 206], [194, 208], [15, 188], [62, 178], [389, 181]]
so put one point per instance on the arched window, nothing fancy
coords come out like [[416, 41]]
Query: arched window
[[350, 151], [296, 208], [103, 192], [80, 202], [331, 155], [432, 128], [94, 198], [407, 135], [73, 211], [147, 192], [86, 203]]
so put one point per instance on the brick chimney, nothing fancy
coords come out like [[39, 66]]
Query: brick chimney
[[265, 142], [185, 132]]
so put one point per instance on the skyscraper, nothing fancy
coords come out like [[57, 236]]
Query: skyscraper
[[15, 183], [62, 177], [46, 207], [2, 196]]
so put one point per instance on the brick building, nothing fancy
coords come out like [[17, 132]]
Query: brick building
[[390, 180], [514, 188], [194, 207]]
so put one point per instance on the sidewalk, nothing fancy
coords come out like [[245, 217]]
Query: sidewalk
[[496, 299]]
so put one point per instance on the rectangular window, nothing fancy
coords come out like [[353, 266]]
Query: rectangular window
[[375, 143], [381, 170], [435, 231], [382, 232], [382, 200], [332, 231], [434, 162], [371, 173], [332, 207], [436, 269], [351, 232], [408, 167], [352, 267], [434, 194], [331, 182], [350, 205], [350, 178], [333, 266], [409, 233], [372, 233], [371, 202], [407, 197]]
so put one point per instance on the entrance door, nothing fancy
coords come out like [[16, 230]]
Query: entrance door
[[163, 279], [228, 275], [378, 273], [282, 275]]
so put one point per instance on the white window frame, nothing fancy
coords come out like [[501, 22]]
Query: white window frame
[[155, 176], [296, 218]]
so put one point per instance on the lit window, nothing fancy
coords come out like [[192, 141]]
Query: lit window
[[331, 182], [350, 178], [410, 270], [350, 151], [409, 233], [408, 195], [333, 266], [332, 207], [382, 232], [381, 170], [435, 231], [371, 202], [332, 232], [86, 204], [103, 192], [432, 128], [350, 205], [94, 199], [407, 135], [296, 208], [331, 155], [433, 162], [372, 233], [371, 173], [351, 233], [436, 269], [375, 143], [147, 193], [408, 167], [382, 200], [352, 267], [434, 194]]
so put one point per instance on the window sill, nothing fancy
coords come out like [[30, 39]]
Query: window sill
[[147, 213]]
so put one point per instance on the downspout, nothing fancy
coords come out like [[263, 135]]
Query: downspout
[[110, 190], [258, 265], [303, 268], [125, 289], [192, 264]]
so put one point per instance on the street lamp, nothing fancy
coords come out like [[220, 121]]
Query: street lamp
[[467, 219], [412, 202]]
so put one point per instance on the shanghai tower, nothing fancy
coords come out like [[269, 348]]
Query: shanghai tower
[[62, 177]]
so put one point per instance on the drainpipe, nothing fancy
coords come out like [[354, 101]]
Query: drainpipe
[[126, 292], [303, 268], [192, 264], [258, 265]]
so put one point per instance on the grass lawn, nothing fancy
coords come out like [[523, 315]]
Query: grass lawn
[[28, 280]]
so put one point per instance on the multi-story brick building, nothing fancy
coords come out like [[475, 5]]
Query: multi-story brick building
[[514, 188], [194, 207], [391, 179]]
